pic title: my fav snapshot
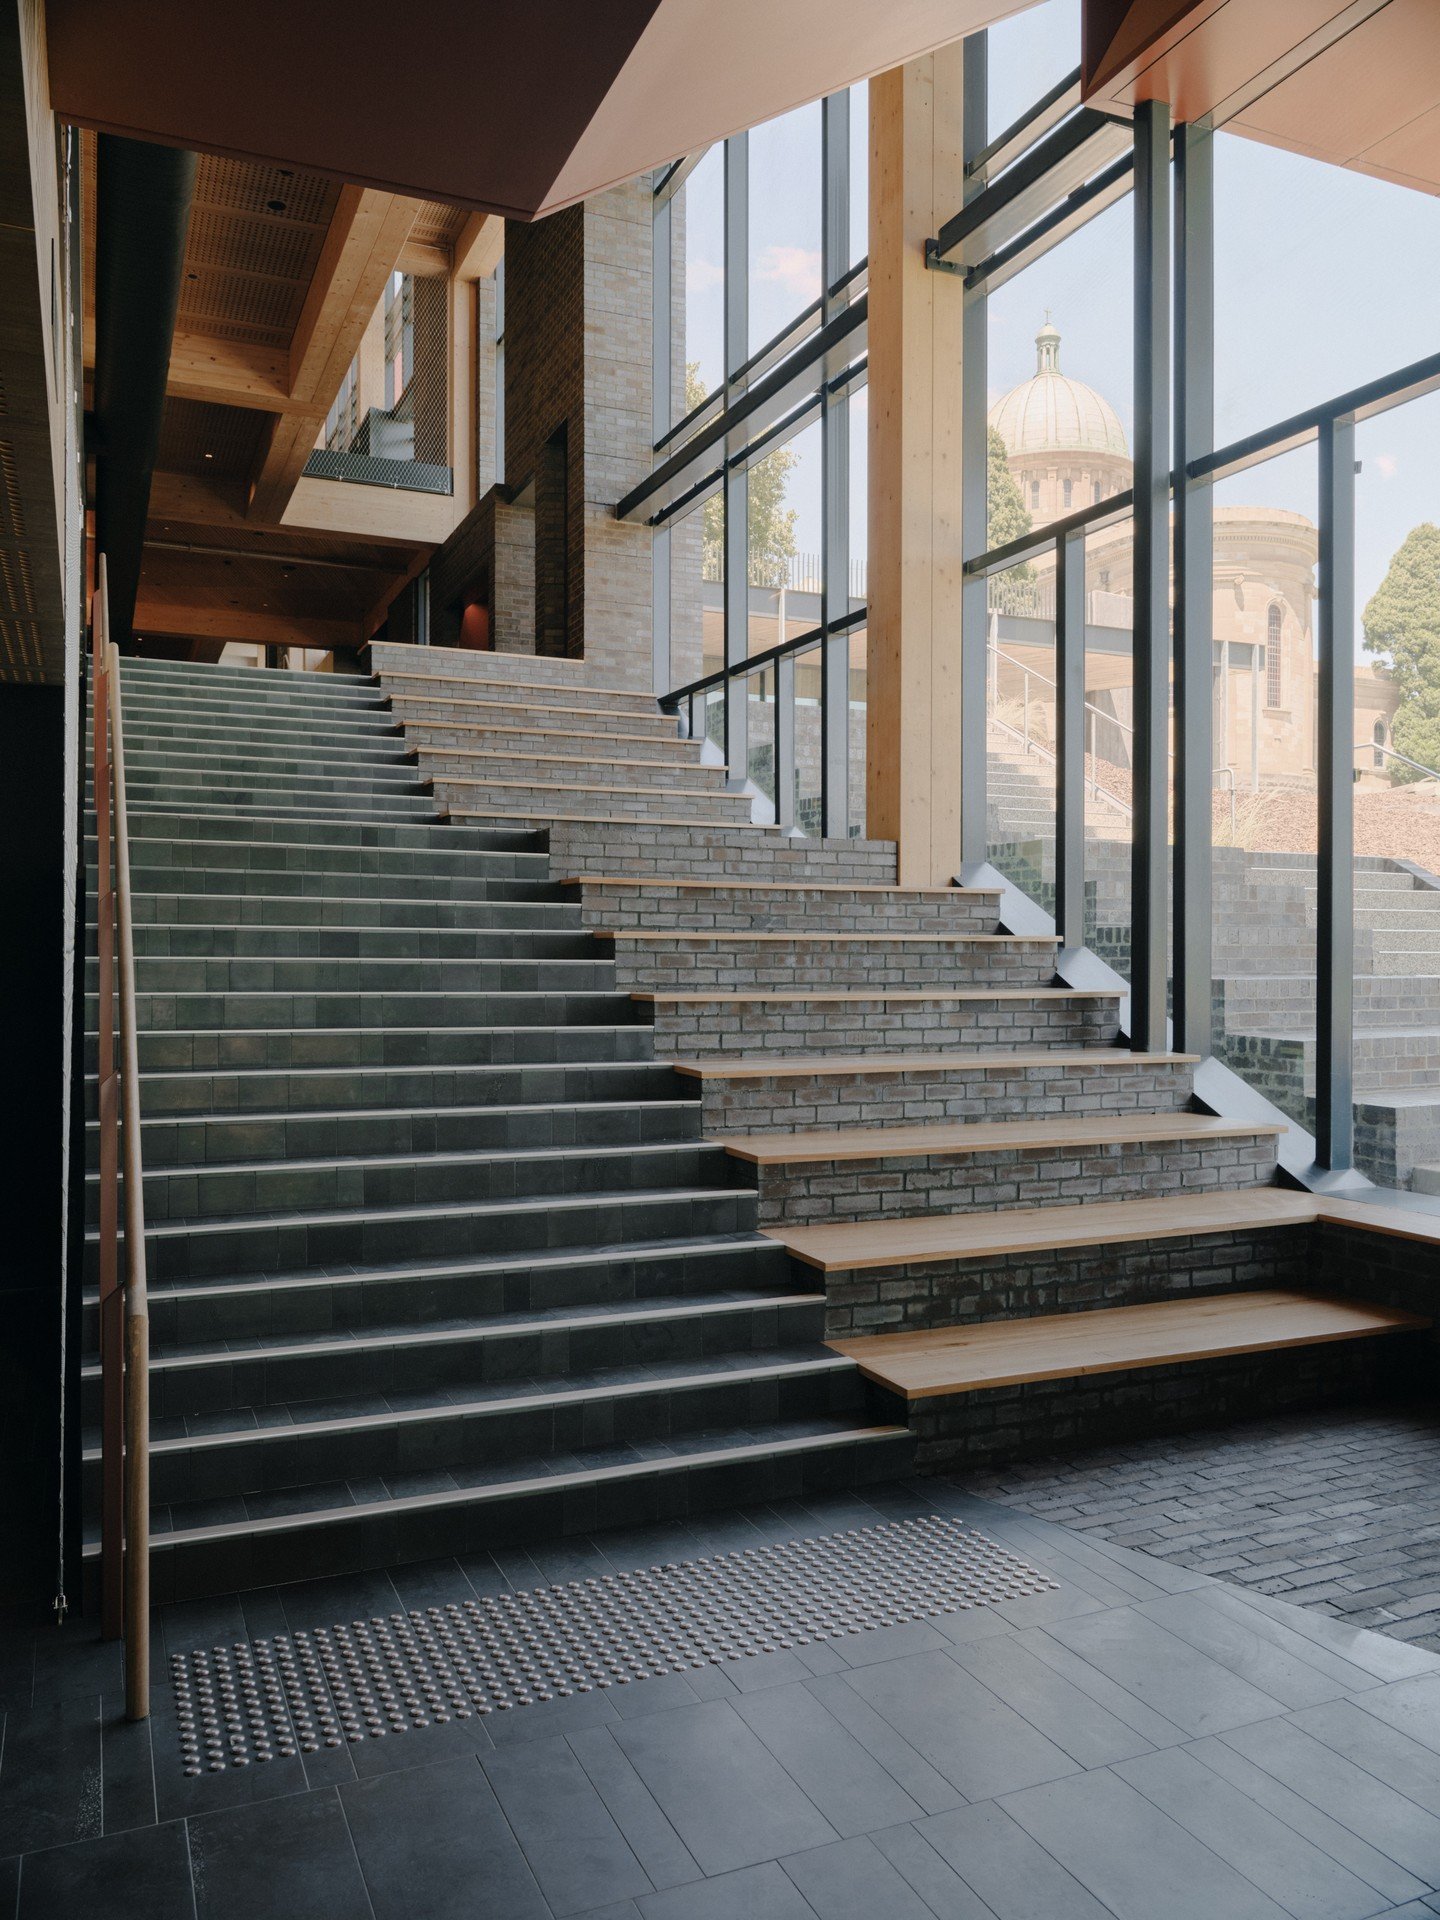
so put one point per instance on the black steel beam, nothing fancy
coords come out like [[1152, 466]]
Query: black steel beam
[[1149, 880], [1049, 171]]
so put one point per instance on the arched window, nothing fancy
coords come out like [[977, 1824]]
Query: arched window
[[1097, 493], [1274, 684], [1034, 494], [1069, 490], [1380, 744]]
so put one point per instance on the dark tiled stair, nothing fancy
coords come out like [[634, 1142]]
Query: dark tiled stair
[[438, 1257]]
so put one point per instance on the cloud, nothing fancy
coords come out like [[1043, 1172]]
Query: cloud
[[796, 269], [700, 274], [1387, 464]]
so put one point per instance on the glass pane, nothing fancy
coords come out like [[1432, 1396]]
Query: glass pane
[[859, 172], [1109, 740], [691, 592], [1396, 1057], [859, 697], [1028, 54], [1286, 226], [760, 706], [784, 221], [807, 741], [1061, 377], [698, 249], [784, 544], [859, 495], [1020, 812], [1265, 807]]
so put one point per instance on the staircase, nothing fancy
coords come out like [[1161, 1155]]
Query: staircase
[[534, 1143], [438, 1255]]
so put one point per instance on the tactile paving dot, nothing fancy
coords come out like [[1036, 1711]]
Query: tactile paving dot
[[359, 1680]]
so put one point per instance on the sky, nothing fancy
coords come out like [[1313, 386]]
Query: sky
[[1324, 279]]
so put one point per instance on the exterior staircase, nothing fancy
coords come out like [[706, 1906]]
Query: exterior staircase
[[534, 1144]]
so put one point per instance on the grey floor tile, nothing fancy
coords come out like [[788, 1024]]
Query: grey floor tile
[[1411, 1705], [289, 1856], [1000, 1862], [759, 1670], [1231, 1639], [924, 1872], [1302, 1816], [550, 1719], [50, 1775], [930, 1790], [1098, 1686], [853, 1880], [850, 1787], [1286, 1634], [1079, 1725], [143, 1875], [1385, 1751], [1374, 1811], [1132, 1857], [128, 1768], [978, 1743], [1386, 1659], [1291, 1869], [751, 1893], [428, 1837], [575, 1850], [659, 1695], [1179, 1681], [731, 1803], [1059, 1603], [888, 1643], [633, 1808], [10, 1886]]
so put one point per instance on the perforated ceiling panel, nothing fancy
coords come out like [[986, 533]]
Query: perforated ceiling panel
[[255, 237]]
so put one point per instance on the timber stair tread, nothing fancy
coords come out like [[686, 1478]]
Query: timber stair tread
[[1067, 1346], [416, 730], [413, 1495], [991, 1136], [625, 820], [779, 1066], [514, 783], [412, 674], [844, 1246]]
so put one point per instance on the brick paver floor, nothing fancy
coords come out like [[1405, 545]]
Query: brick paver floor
[[1338, 1511]]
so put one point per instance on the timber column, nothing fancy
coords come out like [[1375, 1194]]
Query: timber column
[[915, 324]]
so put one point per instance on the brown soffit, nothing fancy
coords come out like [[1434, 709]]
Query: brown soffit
[[503, 106], [478, 102]]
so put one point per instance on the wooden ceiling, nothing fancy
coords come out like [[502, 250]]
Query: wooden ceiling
[[283, 268]]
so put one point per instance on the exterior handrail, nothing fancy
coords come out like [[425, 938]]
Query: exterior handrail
[[124, 1310], [1391, 753]]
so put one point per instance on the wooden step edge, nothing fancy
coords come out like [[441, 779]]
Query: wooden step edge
[[505, 728], [737, 884], [982, 1355], [859, 1066], [660, 936], [837, 996], [952, 1139], [1398, 1222], [845, 1246], [513, 1489]]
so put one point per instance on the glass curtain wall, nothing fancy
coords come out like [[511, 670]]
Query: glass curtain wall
[[758, 495], [1217, 492]]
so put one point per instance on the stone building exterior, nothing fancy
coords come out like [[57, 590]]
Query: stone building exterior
[[1066, 450]]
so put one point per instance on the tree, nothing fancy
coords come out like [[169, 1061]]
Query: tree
[[1006, 518], [1402, 620], [771, 523]]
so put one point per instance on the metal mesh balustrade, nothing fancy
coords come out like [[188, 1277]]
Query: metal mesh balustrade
[[390, 424]]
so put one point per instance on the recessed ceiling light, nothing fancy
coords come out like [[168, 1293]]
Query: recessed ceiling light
[[209, 456], [275, 206]]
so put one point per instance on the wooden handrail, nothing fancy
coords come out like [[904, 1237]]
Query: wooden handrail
[[124, 1312]]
